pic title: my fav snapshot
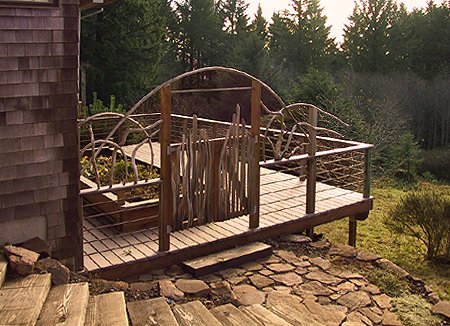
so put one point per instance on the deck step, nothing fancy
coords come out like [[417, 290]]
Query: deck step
[[21, 300], [261, 316], [151, 313], [107, 310], [229, 315], [3, 268], [194, 314], [65, 305], [227, 258]]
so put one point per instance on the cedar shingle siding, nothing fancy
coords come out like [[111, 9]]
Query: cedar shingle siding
[[38, 131]]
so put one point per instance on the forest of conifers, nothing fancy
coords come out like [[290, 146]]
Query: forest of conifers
[[389, 79]]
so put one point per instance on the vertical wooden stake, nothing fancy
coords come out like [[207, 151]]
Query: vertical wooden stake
[[254, 174], [166, 198], [216, 147], [311, 166], [352, 231]]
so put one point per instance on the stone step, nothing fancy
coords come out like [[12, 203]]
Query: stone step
[[261, 316], [107, 310], [65, 305], [229, 315], [21, 300], [151, 313], [3, 267], [194, 314], [227, 258]]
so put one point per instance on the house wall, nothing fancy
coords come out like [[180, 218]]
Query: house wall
[[39, 183]]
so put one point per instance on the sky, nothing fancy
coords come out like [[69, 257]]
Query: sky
[[337, 11]]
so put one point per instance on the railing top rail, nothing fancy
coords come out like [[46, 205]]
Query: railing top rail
[[305, 157]]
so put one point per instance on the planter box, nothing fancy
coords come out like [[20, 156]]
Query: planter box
[[132, 216]]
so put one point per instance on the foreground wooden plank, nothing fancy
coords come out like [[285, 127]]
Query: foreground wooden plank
[[21, 301], [151, 312], [261, 316], [107, 310], [65, 305], [3, 267], [194, 314], [228, 258], [229, 315]]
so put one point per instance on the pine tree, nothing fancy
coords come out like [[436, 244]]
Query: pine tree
[[367, 37], [250, 52], [122, 48], [302, 38], [201, 40]]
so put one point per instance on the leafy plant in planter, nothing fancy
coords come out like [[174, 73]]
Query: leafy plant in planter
[[123, 172]]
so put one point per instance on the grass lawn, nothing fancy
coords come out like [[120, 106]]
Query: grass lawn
[[407, 252]]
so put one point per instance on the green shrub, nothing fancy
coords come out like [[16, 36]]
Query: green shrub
[[436, 162], [405, 156], [424, 214]]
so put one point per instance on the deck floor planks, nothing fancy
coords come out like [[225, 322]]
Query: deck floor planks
[[206, 228], [100, 260], [195, 236], [200, 229], [112, 257], [282, 201]]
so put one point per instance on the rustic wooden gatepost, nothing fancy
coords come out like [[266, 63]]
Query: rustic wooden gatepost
[[166, 198], [254, 173], [311, 167]]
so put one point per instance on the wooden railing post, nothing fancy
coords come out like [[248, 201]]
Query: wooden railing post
[[166, 198], [367, 172], [352, 223], [311, 166], [254, 174]]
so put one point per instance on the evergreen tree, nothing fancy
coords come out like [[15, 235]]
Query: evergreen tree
[[250, 52], [201, 39], [367, 37], [122, 48], [301, 39], [234, 16]]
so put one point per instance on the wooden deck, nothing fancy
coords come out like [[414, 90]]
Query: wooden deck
[[282, 210]]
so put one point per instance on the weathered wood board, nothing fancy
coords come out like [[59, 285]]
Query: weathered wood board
[[151, 312], [227, 258], [65, 305], [261, 316], [107, 310], [21, 301], [229, 315], [3, 268], [194, 314]]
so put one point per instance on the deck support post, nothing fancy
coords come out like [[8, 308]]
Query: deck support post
[[254, 173], [166, 198], [352, 231], [311, 166]]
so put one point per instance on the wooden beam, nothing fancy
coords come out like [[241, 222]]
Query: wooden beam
[[166, 211], [254, 174]]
